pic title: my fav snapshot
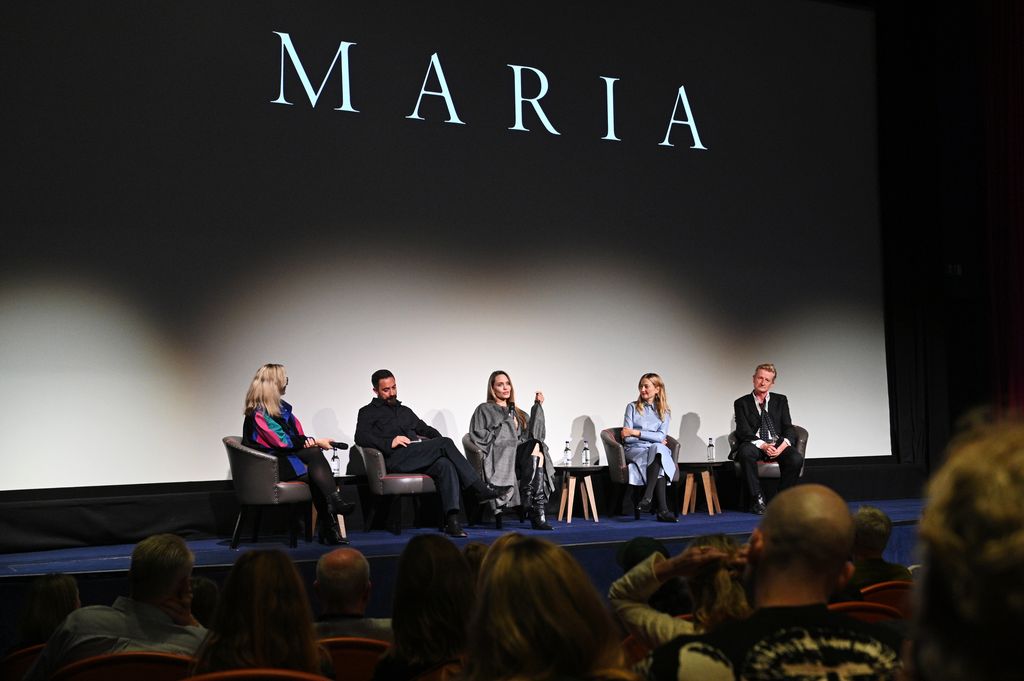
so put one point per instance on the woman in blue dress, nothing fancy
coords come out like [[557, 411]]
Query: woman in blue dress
[[645, 436]]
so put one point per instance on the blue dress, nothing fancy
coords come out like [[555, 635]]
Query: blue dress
[[641, 451]]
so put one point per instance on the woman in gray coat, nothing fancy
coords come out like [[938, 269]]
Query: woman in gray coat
[[514, 449]]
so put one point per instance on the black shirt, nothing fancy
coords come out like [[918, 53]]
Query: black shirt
[[378, 424]]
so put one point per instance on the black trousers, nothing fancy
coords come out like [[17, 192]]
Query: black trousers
[[318, 475], [442, 461], [789, 462]]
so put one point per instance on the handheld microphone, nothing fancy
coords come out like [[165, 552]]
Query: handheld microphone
[[339, 445]]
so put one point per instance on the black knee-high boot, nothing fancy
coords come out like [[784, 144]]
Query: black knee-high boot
[[539, 493], [653, 473]]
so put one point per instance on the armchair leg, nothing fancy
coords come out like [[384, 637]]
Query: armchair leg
[[395, 523], [256, 523], [308, 517], [618, 494], [293, 522], [238, 527], [371, 512]]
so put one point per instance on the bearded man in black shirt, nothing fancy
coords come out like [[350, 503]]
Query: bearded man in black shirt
[[411, 446]]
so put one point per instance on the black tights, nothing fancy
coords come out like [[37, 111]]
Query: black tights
[[654, 475], [318, 476]]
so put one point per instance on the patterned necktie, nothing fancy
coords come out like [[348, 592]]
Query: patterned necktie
[[767, 431]]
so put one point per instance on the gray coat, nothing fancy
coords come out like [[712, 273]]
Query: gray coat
[[496, 432]]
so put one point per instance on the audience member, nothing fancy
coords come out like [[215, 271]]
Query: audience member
[[872, 528], [343, 585], [796, 558], [970, 608], [50, 599], [434, 595], [205, 594], [263, 620], [474, 553], [673, 596], [538, 617], [714, 586], [497, 546], [156, 616]]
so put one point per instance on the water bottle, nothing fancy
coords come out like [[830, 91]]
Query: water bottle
[[567, 454], [586, 453], [711, 450], [336, 463]]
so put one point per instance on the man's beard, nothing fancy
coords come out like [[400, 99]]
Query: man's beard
[[391, 401]]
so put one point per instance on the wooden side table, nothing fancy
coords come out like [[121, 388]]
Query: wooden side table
[[570, 474], [707, 475]]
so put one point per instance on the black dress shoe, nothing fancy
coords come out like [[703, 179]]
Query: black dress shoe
[[487, 491], [453, 529], [666, 517], [758, 507]]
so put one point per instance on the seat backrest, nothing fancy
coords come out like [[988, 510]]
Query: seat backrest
[[254, 474], [354, 658], [126, 667], [895, 593], [615, 455], [373, 462], [474, 454], [865, 611], [14, 666], [260, 674]]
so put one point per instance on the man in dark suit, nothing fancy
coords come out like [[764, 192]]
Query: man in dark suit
[[411, 446], [764, 432]]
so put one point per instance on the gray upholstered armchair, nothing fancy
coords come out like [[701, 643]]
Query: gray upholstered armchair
[[476, 457], [618, 471], [257, 483], [768, 469], [384, 485]]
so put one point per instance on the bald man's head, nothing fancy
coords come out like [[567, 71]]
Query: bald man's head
[[806, 529], [343, 581]]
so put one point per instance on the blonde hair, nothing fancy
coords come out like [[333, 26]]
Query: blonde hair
[[265, 390], [971, 597], [717, 590], [660, 400], [520, 414], [539, 617], [767, 366]]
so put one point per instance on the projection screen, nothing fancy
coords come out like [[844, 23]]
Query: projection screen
[[576, 193]]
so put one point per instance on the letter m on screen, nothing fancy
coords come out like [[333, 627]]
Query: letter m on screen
[[341, 56]]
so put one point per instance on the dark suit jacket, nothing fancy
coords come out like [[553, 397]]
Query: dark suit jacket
[[748, 419], [378, 425]]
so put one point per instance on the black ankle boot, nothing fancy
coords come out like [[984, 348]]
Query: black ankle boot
[[329, 531], [341, 507]]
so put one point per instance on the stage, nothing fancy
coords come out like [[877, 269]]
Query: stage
[[102, 570]]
